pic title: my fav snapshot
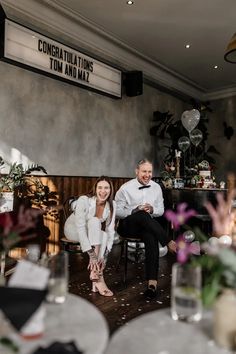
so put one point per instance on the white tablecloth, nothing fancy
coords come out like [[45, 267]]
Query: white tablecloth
[[76, 320], [156, 333]]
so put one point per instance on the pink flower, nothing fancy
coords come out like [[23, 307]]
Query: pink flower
[[6, 223], [185, 249], [18, 227], [179, 217]]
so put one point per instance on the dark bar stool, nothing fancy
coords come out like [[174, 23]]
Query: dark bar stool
[[124, 252], [70, 246]]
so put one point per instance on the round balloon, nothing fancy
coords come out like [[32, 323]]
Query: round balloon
[[196, 137], [225, 240], [189, 236], [162, 250], [196, 249], [213, 241], [183, 143], [190, 119]]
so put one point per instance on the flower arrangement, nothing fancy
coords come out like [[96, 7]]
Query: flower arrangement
[[17, 227], [168, 174], [216, 256], [219, 269]]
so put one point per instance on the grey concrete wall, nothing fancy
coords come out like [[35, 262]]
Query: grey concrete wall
[[224, 110], [72, 131]]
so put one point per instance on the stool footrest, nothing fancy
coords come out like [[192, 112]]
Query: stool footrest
[[65, 240], [70, 245]]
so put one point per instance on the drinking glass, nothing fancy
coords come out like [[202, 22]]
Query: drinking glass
[[186, 304], [58, 280]]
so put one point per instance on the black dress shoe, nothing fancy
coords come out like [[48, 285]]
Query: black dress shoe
[[150, 293]]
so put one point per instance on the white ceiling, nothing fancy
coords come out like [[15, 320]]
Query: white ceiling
[[159, 29], [149, 36]]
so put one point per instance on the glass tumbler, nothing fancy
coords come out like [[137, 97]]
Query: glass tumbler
[[186, 303], [58, 280]]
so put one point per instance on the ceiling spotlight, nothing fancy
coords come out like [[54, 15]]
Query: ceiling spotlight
[[187, 46], [130, 2], [216, 67], [230, 53]]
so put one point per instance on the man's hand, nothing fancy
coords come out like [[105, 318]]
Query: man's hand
[[172, 247], [148, 208], [145, 207], [136, 209]]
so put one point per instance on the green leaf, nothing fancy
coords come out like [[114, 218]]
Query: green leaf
[[200, 236], [210, 292], [7, 342]]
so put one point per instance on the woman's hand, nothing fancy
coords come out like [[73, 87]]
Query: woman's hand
[[93, 261], [103, 261], [102, 264], [222, 216], [93, 266]]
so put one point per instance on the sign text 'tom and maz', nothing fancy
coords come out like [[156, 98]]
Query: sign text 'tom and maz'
[[66, 62]]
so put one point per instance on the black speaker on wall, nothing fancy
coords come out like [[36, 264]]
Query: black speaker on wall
[[133, 83]]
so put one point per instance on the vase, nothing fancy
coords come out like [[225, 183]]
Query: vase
[[186, 304], [224, 319]]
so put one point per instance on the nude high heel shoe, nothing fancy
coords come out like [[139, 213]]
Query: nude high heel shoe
[[94, 289], [101, 287]]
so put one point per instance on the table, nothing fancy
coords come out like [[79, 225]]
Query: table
[[194, 197], [156, 333], [78, 320]]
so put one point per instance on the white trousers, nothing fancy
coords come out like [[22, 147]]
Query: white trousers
[[91, 235], [96, 236]]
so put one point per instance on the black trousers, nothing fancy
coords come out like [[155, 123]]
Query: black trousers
[[141, 224]]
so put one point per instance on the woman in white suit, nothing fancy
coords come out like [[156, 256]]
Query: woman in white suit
[[92, 224]]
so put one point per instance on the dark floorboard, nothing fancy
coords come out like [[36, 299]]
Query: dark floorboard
[[126, 303]]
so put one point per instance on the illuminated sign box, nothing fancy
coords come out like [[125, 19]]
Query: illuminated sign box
[[31, 49]]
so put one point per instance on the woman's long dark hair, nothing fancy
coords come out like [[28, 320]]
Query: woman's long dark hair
[[111, 196]]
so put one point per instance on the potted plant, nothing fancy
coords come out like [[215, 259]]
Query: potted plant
[[38, 195], [16, 175], [26, 188], [171, 131]]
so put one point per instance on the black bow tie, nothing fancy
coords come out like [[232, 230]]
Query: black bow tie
[[142, 187]]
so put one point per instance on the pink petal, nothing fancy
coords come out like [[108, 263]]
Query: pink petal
[[190, 213], [182, 256], [181, 207], [170, 215]]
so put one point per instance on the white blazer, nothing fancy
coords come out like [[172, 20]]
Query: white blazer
[[76, 225]]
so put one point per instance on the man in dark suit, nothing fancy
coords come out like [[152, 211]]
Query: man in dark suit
[[139, 203]]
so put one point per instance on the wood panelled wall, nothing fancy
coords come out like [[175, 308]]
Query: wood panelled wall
[[65, 187]]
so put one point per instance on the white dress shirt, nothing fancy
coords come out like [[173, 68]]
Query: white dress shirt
[[129, 196], [76, 226]]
